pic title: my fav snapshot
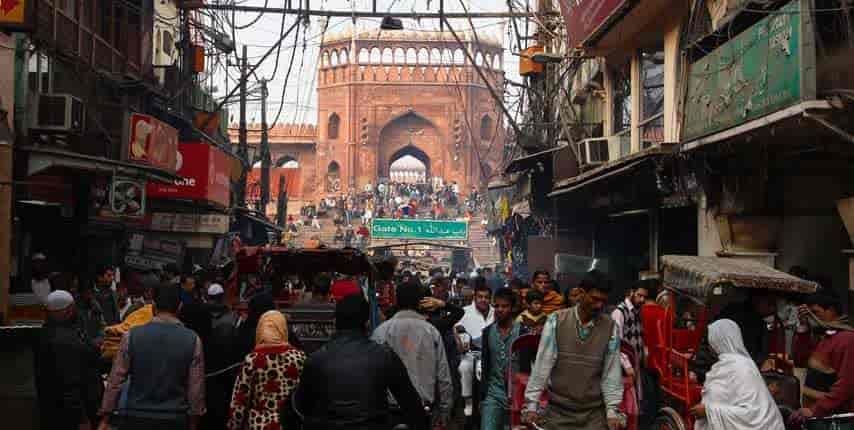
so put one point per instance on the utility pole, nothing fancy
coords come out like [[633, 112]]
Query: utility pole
[[265, 152], [543, 83], [282, 203], [243, 148]]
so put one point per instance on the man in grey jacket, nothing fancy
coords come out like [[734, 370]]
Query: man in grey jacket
[[419, 345]]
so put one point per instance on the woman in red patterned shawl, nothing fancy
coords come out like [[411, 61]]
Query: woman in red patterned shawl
[[269, 375]]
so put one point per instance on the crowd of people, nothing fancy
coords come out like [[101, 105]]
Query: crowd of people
[[397, 200], [352, 213], [441, 352]]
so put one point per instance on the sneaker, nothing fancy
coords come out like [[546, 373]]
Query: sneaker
[[468, 409]]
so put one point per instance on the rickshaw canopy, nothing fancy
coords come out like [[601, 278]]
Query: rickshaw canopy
[[699, 276]]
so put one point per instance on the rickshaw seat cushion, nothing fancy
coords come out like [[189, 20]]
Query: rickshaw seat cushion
[[686, 340], [654, 318]]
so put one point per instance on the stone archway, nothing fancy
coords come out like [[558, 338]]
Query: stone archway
[[409, 164], [410, 135], [287, 162], [333, 178]]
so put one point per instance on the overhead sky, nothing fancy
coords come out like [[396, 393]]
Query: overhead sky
[[299, 101]]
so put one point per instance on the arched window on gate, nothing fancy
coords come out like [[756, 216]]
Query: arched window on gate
[[333, 126], [333, 178]]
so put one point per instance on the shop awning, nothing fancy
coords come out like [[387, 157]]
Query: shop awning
[[522, 208], [798, 110], [529, 161], [43, 159], [608, 170], [497, 184]]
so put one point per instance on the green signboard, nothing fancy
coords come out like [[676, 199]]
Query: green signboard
[[383, 228], [766, 68]]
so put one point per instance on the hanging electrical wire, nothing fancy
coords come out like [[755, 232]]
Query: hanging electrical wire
[[287, 76]]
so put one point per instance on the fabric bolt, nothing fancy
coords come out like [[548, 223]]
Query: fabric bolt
[[268, 377], [734, 393]]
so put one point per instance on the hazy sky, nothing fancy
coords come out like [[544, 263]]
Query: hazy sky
[[300, 96]]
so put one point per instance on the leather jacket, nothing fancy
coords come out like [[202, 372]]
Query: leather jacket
[[344, 385]]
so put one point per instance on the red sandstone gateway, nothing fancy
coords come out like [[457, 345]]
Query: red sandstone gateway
[[696, 289]]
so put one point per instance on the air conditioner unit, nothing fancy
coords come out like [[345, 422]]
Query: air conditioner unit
[[594, 151], [60, 113]]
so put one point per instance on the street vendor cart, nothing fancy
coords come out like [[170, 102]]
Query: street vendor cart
[[696, 289]]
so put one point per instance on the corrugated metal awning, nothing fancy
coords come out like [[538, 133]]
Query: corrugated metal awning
[[43, 159]]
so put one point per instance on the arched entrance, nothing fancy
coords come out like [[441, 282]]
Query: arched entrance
[[333, 178], [410, 165], [287, 162], [410, 147]]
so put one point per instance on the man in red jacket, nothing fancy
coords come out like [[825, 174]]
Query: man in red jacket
[[828, 354]]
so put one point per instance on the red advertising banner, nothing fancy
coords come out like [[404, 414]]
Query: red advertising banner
[[293, 183], [205, 173], [585, 17], [152, 142]]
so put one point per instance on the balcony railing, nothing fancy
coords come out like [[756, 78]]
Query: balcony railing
[[652, 131], [71, 36]]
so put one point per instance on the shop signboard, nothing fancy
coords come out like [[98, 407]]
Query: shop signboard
[[146, 251], [583, 18], [204, 172], [189, 223], [383, 228], [17, 15], [151, 142], [768, 67]]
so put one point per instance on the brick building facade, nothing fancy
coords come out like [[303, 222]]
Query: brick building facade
[[386, 94]]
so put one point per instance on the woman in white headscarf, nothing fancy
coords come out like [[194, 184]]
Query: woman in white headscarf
[[735, 396]]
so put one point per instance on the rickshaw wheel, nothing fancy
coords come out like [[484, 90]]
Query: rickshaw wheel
[[668, 419]]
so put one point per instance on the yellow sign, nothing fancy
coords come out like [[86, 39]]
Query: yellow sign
[[13, 11], [16, 15]]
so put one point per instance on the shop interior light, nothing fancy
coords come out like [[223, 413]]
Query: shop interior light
[[38, 203]]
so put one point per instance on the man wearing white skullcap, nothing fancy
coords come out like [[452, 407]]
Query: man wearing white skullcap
[[66, 368], [59, 301]]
